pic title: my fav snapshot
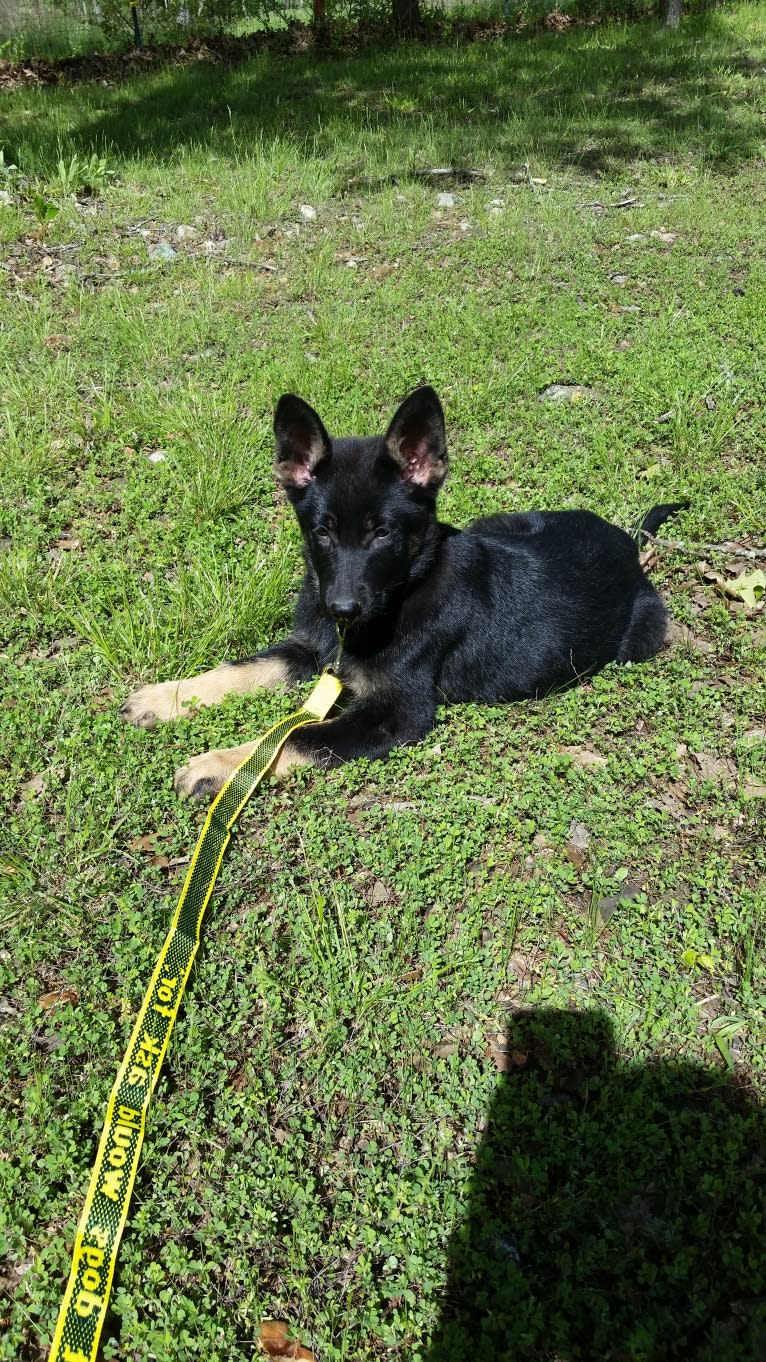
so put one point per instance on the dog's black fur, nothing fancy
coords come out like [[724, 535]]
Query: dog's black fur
[[512, 607]]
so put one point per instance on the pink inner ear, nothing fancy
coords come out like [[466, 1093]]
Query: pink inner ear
[[300, 475], [419, 465]]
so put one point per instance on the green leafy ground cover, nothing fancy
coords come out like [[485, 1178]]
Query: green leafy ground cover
[[491, 1014]]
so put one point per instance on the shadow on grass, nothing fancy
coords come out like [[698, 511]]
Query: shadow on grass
[[617, 1214], [593, 99]]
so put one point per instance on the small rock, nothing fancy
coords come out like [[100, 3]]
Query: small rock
[[668, 238], [157, 456], [308, 212], [497, 203], [619, 279], [379, 894], [578, 836], [186, 233], [163, 251], [445, 200]]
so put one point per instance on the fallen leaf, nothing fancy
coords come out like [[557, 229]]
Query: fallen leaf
[[607, 905], [582, 756], [58, 996], [276, 1341], [714, 768], [748, 587], [34, 786], [754, 790], [145, 843], [500, 1058], [701, 959]]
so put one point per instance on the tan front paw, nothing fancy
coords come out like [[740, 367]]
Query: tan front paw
[[203, 776], [156, 704]]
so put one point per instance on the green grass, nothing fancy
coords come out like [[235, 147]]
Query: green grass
[[331, 1141]]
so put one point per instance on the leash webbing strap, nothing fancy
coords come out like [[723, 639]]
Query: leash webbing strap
[[94, 1256]]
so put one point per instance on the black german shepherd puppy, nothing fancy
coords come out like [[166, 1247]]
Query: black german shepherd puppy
[[511, 608]]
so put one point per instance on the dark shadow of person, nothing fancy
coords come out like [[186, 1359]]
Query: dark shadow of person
[[617, 1213]]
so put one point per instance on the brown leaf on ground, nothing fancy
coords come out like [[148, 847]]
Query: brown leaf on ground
[[275, 1339], [35, 786], [754, 789], [145, 843], [714, 768], [59, 995], [583, 756], [628, 892]]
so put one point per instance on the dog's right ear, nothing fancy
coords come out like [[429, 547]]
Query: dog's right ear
[[302, 441]]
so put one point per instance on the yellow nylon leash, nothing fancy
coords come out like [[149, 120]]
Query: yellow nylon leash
[[94, 1256]]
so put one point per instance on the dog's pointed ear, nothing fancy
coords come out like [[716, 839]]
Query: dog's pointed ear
[[302, 441], [416, 439]]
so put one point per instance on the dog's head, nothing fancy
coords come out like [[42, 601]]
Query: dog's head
[[365, 506]]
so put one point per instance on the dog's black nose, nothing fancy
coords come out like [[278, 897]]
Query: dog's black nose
[[344, 610]]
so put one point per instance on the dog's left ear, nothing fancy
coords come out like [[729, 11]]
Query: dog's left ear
[[416, 439]]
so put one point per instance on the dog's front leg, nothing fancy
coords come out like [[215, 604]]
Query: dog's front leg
[[364, 730], [283, 665]]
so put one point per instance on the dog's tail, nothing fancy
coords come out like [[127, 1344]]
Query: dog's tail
[[659, 514]]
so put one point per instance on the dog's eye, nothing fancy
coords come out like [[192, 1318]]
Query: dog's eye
[[381, 533], [322, 534]]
